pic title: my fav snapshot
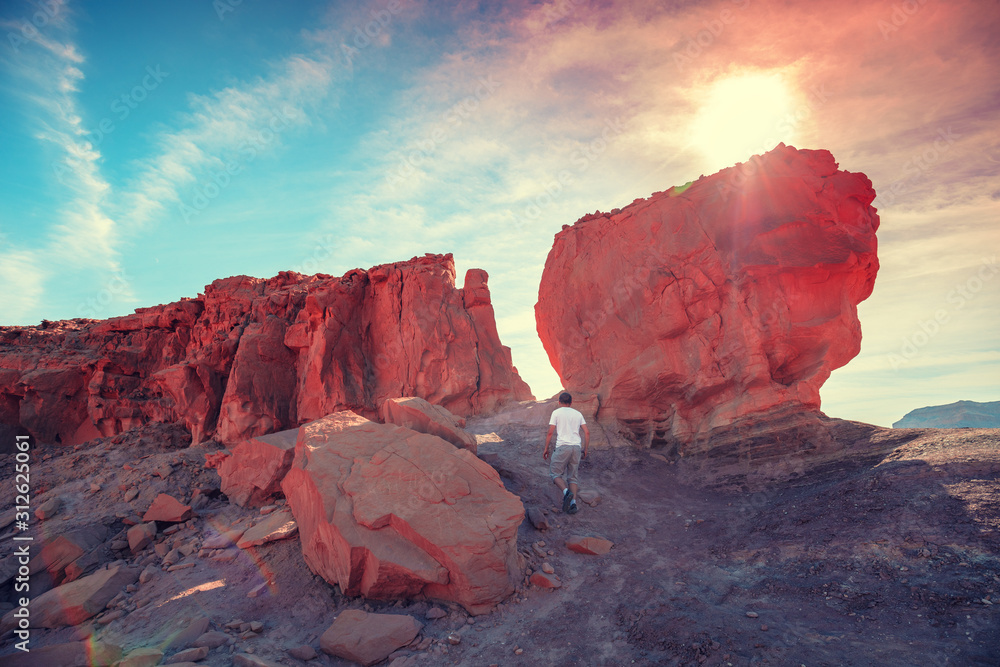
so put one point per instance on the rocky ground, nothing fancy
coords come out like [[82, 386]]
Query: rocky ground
[[892, 559]]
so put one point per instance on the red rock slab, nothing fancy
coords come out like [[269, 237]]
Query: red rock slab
[[168, 509], [278, 525], [368, 638], [593, 546], [415, 413]]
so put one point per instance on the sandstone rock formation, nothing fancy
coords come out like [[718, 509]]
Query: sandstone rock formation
[[252, 356], [387, 512], [418, 415], [715, 302]]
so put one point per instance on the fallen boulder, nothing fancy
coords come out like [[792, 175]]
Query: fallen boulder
[[140, 535], [418, 415], [387, 512], [252, 476], [368, 638]]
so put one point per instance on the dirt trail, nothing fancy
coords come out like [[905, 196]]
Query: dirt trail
[[893, 562]]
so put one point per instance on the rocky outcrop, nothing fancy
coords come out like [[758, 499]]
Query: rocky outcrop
[[387, 512], [251, 356], [713, 303], [961, 414]]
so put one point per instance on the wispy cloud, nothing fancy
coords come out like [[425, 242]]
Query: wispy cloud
[[222, 134], [48, 63]]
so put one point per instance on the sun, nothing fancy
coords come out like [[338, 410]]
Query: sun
[[742, 115]]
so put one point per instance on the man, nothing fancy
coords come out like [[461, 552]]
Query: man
[[566, 423]]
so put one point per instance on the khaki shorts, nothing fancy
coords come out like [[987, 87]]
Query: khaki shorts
[[565, 462]]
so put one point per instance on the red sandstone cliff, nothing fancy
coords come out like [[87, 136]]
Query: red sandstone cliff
[[711, 303], [253, 356]]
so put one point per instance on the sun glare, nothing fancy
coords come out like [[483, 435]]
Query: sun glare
[[743, 115]]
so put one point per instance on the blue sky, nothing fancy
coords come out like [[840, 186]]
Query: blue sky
[[147, 149]]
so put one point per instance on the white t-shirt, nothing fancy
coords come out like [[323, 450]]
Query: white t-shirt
[[567, 422]]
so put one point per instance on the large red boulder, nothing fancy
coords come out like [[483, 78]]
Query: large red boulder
[[251, 356], [387, 512], [713, 302], [417, 414]]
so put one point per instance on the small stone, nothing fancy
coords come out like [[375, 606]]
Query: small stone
[[518, 651], [454, 638], [594, 546], [142, 657], [543, 580], [111, 617], [257, 590], [212, 639], [48, 509], [548, 569], [752, 614], [304, 652], [537, 519], [94, 488], [140, 536], [435, 613], [182, 566], [470, 621], [131, 494], [764, 628], [189, 655], [256, 626]]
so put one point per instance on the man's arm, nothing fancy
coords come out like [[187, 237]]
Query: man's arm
[[586, 439], [548, 439]]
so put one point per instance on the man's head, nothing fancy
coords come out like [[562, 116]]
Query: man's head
[[565, 398]]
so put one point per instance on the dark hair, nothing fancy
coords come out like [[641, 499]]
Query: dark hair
[[565, 398]]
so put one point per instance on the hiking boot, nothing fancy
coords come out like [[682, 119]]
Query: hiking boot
[[567, 500], [573, 509]]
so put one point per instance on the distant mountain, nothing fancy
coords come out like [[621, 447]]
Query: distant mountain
[[962, 414]]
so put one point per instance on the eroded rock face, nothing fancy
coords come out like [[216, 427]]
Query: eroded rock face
[[252, 356], [710, 303], [386, 512]]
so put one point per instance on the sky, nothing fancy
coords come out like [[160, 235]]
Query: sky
[[147, 149]]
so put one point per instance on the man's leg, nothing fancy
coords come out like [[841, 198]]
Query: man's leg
[[572, 466], [557, 468]]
